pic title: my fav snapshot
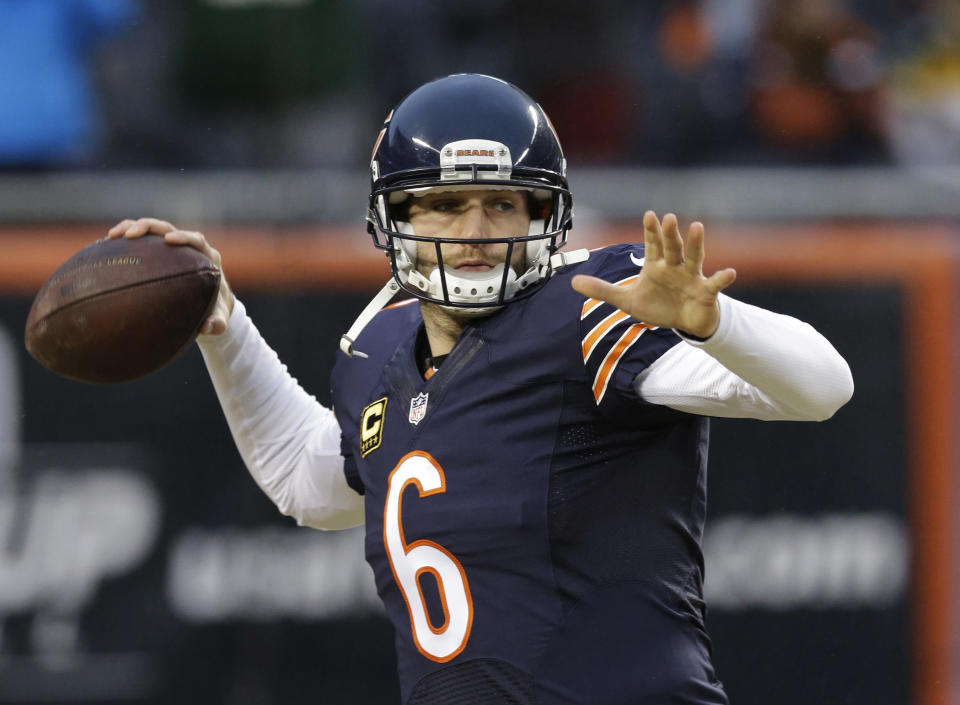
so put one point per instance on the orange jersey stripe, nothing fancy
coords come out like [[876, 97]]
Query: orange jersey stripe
[[600, 330], [613, 357], [591, 304]]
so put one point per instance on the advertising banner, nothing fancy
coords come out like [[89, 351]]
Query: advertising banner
[[140, 563]]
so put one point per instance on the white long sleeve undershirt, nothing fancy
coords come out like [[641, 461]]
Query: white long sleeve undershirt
[[758, 364], [289, 442]]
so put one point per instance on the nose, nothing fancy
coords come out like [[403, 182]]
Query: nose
[[473, 223]]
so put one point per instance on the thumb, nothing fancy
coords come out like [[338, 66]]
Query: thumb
[[719, 281], [595, 288], [218, 320], [214, 325]]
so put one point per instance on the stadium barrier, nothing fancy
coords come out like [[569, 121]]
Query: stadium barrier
[[833, 546]]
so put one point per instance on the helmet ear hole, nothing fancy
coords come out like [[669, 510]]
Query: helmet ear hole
[[400, 210], [539, 208]]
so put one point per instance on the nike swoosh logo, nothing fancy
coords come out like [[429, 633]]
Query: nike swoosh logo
[[636, 260]]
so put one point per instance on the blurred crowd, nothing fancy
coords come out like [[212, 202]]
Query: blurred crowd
[[305, 83]]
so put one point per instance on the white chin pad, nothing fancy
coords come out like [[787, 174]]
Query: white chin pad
[[472, 287]]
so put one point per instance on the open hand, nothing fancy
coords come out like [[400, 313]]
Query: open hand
[[216, 322], [671, 291]]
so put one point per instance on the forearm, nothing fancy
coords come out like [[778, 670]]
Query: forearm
[[289, 442], [758, 364]]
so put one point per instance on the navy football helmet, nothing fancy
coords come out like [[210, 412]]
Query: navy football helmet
[[461, 132]]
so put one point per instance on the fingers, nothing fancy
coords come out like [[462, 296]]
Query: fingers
[[120, 228], [671, 241], [130, 228], [716, 282], [193, 239], [216, 323], [664, 241], [142, 226], [652, 247], [694, 248], [594, 288]]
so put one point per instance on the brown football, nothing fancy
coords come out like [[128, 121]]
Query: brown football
[[121, 309]]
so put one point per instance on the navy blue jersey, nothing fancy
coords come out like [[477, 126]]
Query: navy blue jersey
[[533, 526]]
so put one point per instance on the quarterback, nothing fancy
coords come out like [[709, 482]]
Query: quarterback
[[525, 435]]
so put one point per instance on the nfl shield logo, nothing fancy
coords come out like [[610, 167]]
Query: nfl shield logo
[[418, 408]]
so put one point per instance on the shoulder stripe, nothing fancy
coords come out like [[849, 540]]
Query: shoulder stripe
[[594, 336], [399, 304], [590, 305], [613, 357]]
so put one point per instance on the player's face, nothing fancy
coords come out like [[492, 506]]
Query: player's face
[[469, 215]]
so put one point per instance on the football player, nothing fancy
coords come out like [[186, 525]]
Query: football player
[[526, 437]]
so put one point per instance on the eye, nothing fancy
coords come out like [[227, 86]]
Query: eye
[[504, 206], [444, 205]]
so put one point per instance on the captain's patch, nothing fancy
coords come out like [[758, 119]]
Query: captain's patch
[[371, 426]]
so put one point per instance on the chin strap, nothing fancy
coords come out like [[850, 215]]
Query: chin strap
[[557, 262], [372, 309]]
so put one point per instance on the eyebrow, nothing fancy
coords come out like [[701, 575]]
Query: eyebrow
[[432, 198], [426, 201]]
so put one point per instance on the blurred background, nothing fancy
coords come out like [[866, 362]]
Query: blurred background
[[818, 140]]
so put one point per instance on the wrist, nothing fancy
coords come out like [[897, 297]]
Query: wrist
[[705, 332]]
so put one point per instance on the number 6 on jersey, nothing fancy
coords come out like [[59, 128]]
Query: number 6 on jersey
[[410, 561]]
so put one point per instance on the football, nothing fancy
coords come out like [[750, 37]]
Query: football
[[121, 309]]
